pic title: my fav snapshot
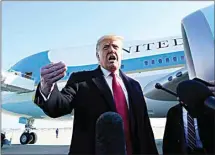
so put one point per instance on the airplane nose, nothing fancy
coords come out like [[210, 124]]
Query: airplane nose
[[150, 91]]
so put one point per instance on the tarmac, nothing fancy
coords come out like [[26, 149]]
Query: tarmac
[[47, 143]]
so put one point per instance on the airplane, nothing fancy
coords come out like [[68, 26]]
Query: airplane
[[149, 62], [143, 60]]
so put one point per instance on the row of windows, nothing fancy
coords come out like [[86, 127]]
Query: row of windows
[[167, 60], [146, 62], [161, 60]]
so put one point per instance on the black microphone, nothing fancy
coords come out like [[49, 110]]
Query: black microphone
[[159, 86], [110, 138]]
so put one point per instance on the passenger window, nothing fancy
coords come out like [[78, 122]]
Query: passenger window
[[174, 58], [146, 63], [182, 57], [167, 60], [122, 66], [160, 61], [153, 61]]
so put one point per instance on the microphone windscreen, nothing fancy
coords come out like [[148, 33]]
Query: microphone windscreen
[[158, 86], [110, 137]]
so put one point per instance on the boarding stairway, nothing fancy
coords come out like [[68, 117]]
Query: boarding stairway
[[16, 82]]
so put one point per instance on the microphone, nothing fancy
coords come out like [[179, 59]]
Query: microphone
[[110, 138], [159, 86]]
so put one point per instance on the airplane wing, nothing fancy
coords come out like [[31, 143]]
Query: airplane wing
[[170, 82]]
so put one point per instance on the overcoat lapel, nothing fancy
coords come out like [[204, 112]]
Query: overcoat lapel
[[104, 89]]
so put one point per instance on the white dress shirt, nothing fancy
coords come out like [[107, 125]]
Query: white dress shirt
[[198, 141], [108, 79]]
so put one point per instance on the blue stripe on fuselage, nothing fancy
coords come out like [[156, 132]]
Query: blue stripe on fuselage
[[34, 63], [136, 64]]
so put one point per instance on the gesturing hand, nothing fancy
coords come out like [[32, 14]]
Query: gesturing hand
[[50, 74]]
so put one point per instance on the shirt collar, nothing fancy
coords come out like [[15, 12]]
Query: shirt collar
[[184, 110], [107, 73]]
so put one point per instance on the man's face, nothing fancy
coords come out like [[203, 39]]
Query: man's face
[[109, 54]]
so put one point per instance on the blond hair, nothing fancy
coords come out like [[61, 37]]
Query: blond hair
[[108, 37]]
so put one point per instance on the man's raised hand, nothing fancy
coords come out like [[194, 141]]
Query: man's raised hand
[[50, 74]]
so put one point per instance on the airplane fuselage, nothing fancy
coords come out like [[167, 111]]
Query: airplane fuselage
[[143, 61]]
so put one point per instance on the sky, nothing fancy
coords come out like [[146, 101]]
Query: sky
[[32, 27]]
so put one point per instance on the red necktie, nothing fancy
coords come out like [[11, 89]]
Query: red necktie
[[122, 109]]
